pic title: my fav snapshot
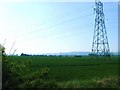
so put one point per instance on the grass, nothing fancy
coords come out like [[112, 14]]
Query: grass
[[76, 71]]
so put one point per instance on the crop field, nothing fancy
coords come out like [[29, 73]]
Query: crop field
[[83, 71]]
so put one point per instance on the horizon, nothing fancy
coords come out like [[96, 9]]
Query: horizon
[[63, 53]]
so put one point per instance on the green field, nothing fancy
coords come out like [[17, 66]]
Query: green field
[[75, 71]]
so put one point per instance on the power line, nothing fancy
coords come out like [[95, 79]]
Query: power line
[[66, 15], [62, 16], [49, 27], [52, 26], [68, 35], [59, 35]]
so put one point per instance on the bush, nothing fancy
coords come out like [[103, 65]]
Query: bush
[[18, 75]]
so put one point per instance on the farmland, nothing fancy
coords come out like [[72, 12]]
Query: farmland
[[75, 71]]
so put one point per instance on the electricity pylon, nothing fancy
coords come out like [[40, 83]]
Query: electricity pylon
[[100, 46]]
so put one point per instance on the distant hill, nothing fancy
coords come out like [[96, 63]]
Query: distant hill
[[76, 53], [69, 53]]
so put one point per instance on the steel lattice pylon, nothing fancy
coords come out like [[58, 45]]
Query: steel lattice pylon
[[100, 46]]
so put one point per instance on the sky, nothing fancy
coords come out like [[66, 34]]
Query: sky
[[53, 27]]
